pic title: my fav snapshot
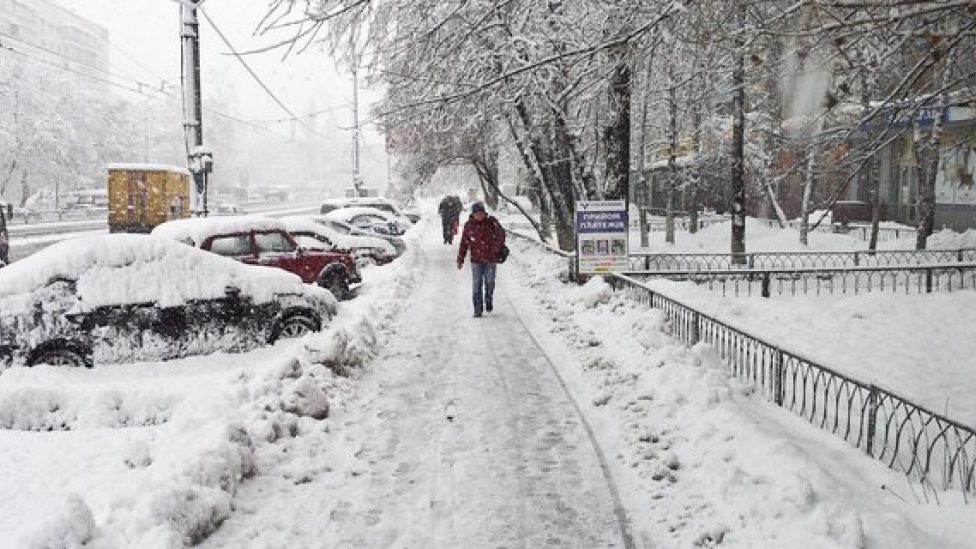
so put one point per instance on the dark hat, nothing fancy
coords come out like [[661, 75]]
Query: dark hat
[[477, 207]]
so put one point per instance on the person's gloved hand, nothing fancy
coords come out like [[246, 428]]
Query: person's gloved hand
[[460, 264]]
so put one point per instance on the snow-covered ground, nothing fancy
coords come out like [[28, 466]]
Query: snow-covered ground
[[702, 458], [760, 237], [919, 346], [151, 454], [566, 418]]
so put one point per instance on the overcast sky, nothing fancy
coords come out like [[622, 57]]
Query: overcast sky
[[145, 37]]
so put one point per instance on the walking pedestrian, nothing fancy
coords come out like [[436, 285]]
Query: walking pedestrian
[[484, 236], [450, 210]]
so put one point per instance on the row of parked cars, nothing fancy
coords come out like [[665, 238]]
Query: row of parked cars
[[193, 286]]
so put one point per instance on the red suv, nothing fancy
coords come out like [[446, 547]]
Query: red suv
[[261, 241]]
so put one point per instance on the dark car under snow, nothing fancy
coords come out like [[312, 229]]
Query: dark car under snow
[[128, 298]]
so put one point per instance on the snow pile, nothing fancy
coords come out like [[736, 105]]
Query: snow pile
[[34, 408], [594, 292], [69, 525], [760, 237], [700, 459], [946, 239], [919, 346]]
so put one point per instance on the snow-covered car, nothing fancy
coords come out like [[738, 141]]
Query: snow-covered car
[[124, 298], [264, 241], [344, 228], [376, 221], [377, 203], [312, 235]]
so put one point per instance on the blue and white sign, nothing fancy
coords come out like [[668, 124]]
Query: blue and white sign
[[601, 235]]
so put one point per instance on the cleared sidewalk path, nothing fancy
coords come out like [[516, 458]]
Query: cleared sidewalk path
[[462, 435]]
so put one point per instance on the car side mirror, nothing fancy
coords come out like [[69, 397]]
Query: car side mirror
[[301, 251], [232, 292]]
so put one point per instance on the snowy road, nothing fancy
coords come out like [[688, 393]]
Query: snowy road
[[461, 436]]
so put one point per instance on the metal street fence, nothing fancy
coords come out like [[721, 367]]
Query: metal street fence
[[657, 224], [821, 281], [780, 260], [857, 230], [928, 447]]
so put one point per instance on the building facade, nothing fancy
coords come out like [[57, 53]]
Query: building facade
[[52, 32], [955, 195]]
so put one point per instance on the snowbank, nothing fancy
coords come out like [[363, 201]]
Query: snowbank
[[701, 461], [760, 237], [946, 239], [919, 346]]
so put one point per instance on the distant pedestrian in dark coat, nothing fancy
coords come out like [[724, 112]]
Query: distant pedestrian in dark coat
[[450, 210]]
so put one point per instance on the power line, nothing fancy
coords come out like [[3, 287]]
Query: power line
[[257, 79], [137, 90], [140, 88], [74, 61]]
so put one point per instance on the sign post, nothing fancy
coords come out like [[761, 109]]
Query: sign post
[[601, 236]]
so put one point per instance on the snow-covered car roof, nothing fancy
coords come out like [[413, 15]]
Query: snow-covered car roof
[[302, 224], [124, 268], [198, 229], [345, 214]]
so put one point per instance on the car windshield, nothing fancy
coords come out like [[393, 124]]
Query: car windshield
[[273, 242], [231, 245]]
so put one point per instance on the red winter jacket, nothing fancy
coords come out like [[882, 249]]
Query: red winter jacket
[[485, 239]]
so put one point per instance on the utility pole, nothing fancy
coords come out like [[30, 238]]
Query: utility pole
[[357, 178], [199, 159]]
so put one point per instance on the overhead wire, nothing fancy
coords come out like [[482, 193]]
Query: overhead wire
[[260, 82], [135, 86], [49, 51]]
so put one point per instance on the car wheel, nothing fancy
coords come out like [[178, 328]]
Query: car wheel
[[60, 356], [294, 327]]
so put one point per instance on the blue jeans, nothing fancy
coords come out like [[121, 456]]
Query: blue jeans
[[483, 275]]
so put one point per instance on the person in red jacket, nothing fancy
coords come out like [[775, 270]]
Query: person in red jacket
[[484, 236]]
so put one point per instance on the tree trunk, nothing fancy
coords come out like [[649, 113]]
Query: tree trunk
[[644, 190], [672, 154], [808, 191], [926, 185], [562, 201], [693, 203], [875, 205], [738, 150], [617, 133]]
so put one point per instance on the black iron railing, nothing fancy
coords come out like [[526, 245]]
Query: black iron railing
[[926, 446], [797, 260], [680, 223], [857, 230], [823, 281]]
